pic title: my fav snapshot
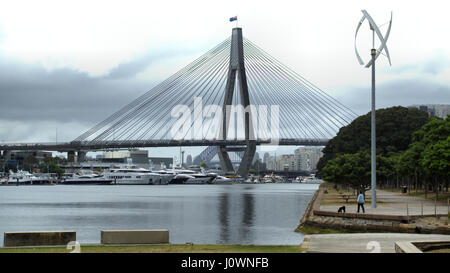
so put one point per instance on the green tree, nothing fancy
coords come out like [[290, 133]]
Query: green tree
[[51, 165], [436, 162], [30, 162], [435, 130], [425, 143], [395, 127], [349, 169], [385, 169], [204, 165]]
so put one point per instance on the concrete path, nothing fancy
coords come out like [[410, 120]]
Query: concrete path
[[395, 204], [363, 242]]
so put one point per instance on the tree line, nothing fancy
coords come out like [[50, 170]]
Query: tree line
[[413, 150], [31, 163]]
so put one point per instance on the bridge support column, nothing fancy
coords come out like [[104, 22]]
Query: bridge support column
[[81, 156], [224, 158], [71, 156], [247, 159], [237, 69]]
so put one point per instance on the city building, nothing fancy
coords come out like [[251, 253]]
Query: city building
[[157, 163], [189, 160], [306, 158], [266, 157], [303, 159], [437, 110], [18, 157], [286, 163], [132, 156]]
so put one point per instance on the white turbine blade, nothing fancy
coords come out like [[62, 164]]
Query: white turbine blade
[[382, 39], [361, 62]]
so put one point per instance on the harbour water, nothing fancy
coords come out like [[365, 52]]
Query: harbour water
[[212, 214]]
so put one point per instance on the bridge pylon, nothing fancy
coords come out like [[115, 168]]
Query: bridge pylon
[[237, 68]]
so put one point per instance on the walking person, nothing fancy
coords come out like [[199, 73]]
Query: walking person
[[360, 201]]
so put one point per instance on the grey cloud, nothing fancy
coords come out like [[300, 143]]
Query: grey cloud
[[133, 67], [434, 65], [404, 92], [30, 95]]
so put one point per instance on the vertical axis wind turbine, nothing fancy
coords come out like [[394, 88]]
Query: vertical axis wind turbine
[[374, 53]]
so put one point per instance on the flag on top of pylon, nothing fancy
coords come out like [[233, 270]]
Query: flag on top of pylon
[[233, 18]]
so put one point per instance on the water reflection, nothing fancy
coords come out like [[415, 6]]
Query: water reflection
[[224, 217], [248, 210]]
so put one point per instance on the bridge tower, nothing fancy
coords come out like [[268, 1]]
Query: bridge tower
[[237, 68]]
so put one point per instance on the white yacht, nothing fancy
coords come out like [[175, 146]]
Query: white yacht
[[84, 178], [177, 178], [311, 180], [222, 180], [272, 178], [298, 179], [195, 177], [137, 176], [25, 178]]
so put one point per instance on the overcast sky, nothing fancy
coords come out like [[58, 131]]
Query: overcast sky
[[67, 65]]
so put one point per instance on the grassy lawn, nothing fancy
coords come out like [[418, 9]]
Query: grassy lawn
[[335, 198], [421, 193], [163, 248]]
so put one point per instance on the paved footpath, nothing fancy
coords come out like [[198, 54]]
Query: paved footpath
[[363, 242], [395, 204]]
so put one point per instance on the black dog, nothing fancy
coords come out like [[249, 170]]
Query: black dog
[[342, 209]]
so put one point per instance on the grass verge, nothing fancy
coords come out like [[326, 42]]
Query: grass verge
[[163, 248], [316, 230]]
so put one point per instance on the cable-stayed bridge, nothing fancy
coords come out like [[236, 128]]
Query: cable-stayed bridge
[[234, 97]]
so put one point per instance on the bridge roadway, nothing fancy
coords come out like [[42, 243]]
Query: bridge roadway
[[115, 145]]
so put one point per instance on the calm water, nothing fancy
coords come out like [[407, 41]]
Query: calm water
[[224, 214]]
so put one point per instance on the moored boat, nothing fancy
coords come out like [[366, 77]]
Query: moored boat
[[25, 178], [86, 179], [137, 176]]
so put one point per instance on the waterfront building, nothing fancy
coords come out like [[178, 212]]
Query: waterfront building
[[18, 157], [157, 163], [135, 156]]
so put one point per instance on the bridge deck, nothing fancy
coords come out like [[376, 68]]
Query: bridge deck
[[106, 145]]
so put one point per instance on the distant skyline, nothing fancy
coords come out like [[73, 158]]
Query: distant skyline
[[67, 65]]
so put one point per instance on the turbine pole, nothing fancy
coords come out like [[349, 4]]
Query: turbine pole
[[373, 53], [373, 137]]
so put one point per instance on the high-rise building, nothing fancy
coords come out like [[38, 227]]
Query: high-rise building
[[266, 157], [255, 158], [286, 163], [306, 158], [189, 160]]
